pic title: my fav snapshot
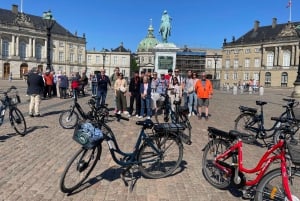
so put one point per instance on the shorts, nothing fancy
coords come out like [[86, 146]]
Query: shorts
[[202, 102]]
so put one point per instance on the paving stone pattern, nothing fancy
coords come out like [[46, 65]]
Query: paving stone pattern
[[31, 166]]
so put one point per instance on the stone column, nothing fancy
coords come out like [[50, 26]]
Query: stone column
[[30, 48], [12, 50], [17, 46], [33, 47]]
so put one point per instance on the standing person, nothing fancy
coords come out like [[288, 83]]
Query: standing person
[[188, 88], [154, 94], [83, 82], [204, 91], [120, 91], [192, 96], [55, 79], [134, 93], [63, 85], [145, 91], [94, 82], [169, 75], [103, 82], [113, 79], [176, 92], [35, 84], [48, 78]]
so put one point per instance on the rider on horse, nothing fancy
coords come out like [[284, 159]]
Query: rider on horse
[[165, 26]]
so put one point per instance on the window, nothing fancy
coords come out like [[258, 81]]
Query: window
[[270, 59], [286, 58], [5, 49], [71, 46], [22, 50], [209, 63], [226, 76], [227, 63], [79, 59], [115, 61], [97, 59], [246, 76], [247, 63], [256, 62], [71, 57], [284, 79], [268, 79], [234, 76], [257, 50], [61, 44], [38, 52], [89, 59], [61, 57], [247, 51], [256, 76], [236, 63], [123, 61], [236, 51], [150, 59]]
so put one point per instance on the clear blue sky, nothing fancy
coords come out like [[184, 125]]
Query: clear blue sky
[[196, 23]]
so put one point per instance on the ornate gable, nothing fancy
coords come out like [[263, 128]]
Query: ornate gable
[[23, 20], [288, 30]]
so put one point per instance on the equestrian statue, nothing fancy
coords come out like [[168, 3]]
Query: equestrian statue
[[165, 27]]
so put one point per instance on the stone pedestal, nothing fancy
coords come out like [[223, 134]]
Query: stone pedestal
[[296, 92], [165, 57]]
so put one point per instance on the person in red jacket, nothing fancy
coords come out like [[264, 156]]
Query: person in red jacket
[[204, 91]]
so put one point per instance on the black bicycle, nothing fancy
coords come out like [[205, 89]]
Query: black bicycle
[[251, 122], [156, 154], [178, 116], [10, 100], [69, 118]]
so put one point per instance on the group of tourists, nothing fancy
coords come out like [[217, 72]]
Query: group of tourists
[[145, 89]]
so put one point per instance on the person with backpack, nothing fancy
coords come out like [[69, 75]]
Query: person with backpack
[[103, 82]]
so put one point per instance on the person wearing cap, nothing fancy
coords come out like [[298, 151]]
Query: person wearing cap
[[134, 93], [35, 84], [204, 91], [103, 82]]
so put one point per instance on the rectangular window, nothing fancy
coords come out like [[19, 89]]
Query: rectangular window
[[234, 76], [246, 76], [257, 50], [247, 63], [89, 59], [209, 63], [226, 76], [61, 57], [123, 61], [61, 44], [236, 63], [256, 76], [71, 46], [115, 61], [256, 62], [80, 58], [71, 57], [247, 51], [227, 63], [97, 59]]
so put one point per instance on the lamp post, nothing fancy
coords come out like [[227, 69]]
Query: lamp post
[[49, 23], [104, 57], [216, 59], [296, 92]]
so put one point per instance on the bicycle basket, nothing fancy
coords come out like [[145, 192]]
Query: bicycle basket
[[294, 151], [171, 128], [87, 134]]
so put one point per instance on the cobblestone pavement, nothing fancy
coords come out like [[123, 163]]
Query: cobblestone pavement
[[31, 166]]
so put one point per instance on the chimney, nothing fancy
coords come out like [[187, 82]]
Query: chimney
[[14, 9], [274, 22], [256, 25]]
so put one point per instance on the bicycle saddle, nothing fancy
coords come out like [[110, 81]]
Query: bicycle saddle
[[248, 109], [146, 124], [232, 134], [261, 102]]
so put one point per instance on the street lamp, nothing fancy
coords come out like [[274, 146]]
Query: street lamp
[[49, 23], [104, 56], [216, 56], [296, 92]]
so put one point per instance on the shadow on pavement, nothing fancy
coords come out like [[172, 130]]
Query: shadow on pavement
[[51, 113], [33, 128], [115, 172], [7, 136]]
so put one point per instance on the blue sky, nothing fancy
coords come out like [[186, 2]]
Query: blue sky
[[196, 23]]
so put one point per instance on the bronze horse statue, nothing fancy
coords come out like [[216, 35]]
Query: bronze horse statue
[[165, 27]]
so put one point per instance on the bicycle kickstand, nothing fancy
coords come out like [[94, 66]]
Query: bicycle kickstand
[[129, 172]]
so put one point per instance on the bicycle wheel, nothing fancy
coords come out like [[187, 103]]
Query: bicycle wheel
[[79, 168], [68, 119], [288, 135], [157, 165], [214, 175], [271, 187], [242, 124], [17, 120]]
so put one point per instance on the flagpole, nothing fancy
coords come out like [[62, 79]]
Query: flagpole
[[21, 6], [290, 3]]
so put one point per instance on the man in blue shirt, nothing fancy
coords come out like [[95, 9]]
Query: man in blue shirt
[[103, 81]]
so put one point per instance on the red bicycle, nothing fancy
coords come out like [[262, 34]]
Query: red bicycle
[[222, 165]]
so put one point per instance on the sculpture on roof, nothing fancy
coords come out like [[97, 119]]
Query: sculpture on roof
[[165, 27]]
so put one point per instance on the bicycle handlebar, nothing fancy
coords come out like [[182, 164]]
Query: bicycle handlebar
[[9, 89]]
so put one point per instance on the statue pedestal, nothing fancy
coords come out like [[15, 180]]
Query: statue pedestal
[[165, 57], [296, 92]]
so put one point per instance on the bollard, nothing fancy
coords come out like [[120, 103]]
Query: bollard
[[241, 89], [234, 90], [261, 91], [250, 90]]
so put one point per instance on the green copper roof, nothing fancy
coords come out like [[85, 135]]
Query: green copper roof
[[148, 43]]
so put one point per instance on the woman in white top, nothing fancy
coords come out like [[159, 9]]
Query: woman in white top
[[120, 92], [176, 92]]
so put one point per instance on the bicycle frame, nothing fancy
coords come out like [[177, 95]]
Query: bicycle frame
[[262, 165], [131, 157]]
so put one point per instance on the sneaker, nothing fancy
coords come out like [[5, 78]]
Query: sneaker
[[140, 117], [128, 115], [148, 117], [194, 113], [37, 115], [119, 112], [137, 116], [125, 112], [31, 115], [190, 114]]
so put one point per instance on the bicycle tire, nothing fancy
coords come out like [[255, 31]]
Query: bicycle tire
[[187, 133], [68, 119], [155, 165], [213, 174], [83, 168], [288, 135], [240, 125], [270, 187], [18, 121]]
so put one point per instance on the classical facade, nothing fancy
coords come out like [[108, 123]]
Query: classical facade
[[109, 59], [23, 45], [266, 55]]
